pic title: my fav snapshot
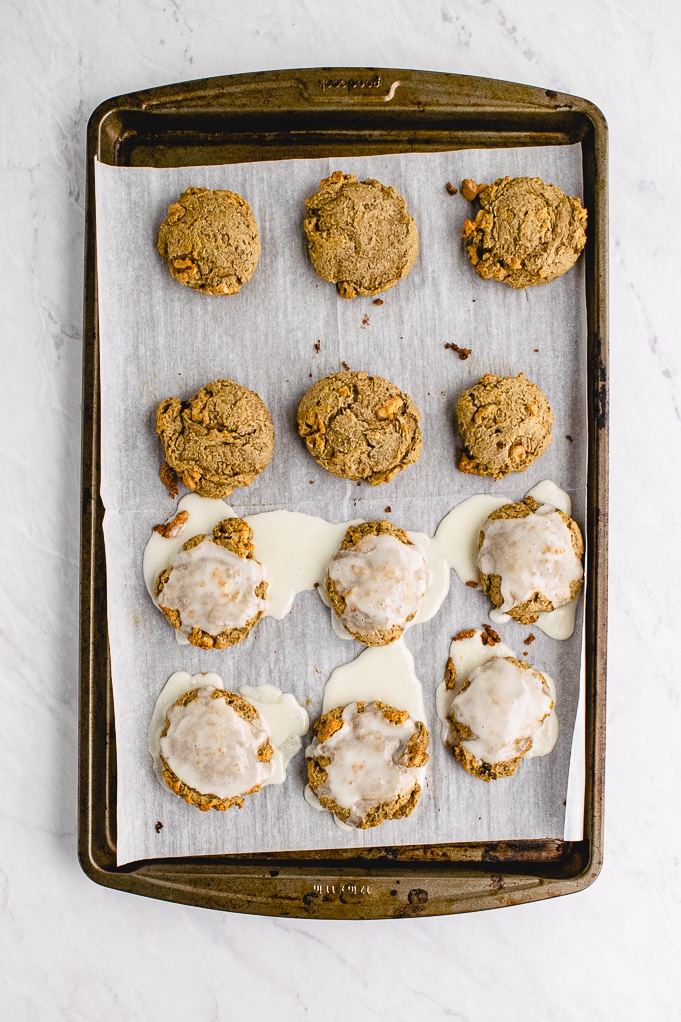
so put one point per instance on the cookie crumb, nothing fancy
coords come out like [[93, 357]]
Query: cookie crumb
[[489, 637], [365, 321], [535, 350], [467, 633], [568, 437], [318, 346], [158, 826], [463, 353], [377, 301], [359, 482], [311, 482], [470, 189], [450, 188], [346, 366], [388, 509], [472, 584], [174, 527], [525, 653], [169, 479], [530, 639]]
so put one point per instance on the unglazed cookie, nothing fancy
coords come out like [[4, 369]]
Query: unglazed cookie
[[214, 749], [376, 582], [213, 591], [362, 764], [220, 439], [505, 423], [526, 233], [530, 559], [360, 235], [360, 427], [210, 241]]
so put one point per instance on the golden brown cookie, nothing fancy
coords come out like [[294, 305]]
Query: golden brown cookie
[[360, 235], [214, 741], [549, 561], [220, 439], [360, 427], [375, 591], [505, 423], [210, 241], [526, 233], [395, 746], [214, 590]]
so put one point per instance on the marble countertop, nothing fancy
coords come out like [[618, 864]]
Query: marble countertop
[[75, 951]]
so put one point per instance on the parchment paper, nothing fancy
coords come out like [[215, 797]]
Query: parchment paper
[[158, 338]]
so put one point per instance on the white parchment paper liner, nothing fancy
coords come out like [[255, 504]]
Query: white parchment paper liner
[[158, 338]]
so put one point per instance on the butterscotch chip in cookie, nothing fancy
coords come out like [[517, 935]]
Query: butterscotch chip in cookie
[[220, 439], [210, 241], [360, 427], [360, 234], [526, 232], [505, 423]]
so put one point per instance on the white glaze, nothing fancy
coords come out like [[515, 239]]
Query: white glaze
[[212, 588], [382, 581], [284, 719], [532, 554], [469, 654]]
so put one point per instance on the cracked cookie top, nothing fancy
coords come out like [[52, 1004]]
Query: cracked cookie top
[[210, 241], [359, 234], [360, 427], [219, 439]]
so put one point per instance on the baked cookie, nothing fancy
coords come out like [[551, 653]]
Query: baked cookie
[[215, 749], [526, 233], [376, 582], [497, 712], [530, 559], [220, 439], [213, 591], [505, 423], [360, 427], [360, 235], [363, 763], [210, 241]]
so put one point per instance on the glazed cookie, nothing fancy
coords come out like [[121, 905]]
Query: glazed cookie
[[376, 582], [210, 241], [505, 423], [214, 749], [360, 235], [213, 591], [363, 763], [497, 712], [220, 439], [530, 559], [526, 233], [360, 427]]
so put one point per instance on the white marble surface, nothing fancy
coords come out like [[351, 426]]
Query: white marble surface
[[75, 951]]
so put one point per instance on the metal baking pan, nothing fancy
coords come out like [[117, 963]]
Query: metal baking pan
[[336, 112]]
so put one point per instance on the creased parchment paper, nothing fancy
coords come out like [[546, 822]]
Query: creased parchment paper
[[159, 339]]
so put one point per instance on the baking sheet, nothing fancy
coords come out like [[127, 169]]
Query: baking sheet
[[158, 338]]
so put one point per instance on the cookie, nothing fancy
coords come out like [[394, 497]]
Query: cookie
[[526, 233], [505, 423], [530, 559], [495, 715], [360, 235], [360, 427], [220, 439], [376, 582], [210, 241], [214, 749], [213, 591], [363, 763]]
